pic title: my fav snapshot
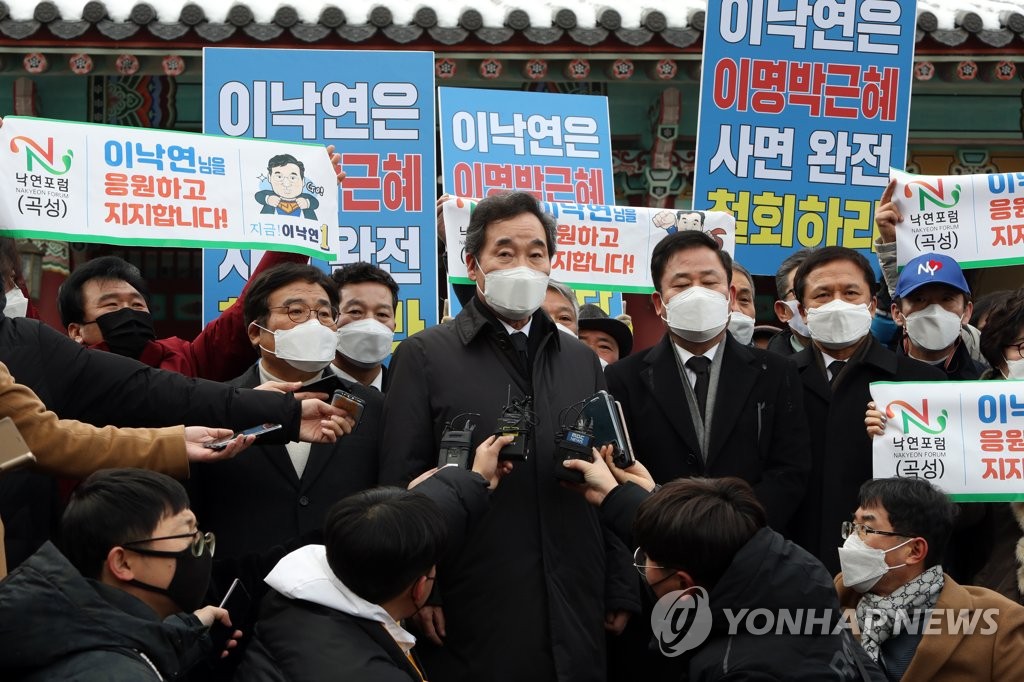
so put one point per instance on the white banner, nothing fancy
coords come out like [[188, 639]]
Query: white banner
[[114, 185], [966, 437], [598, 247], [976, 219]]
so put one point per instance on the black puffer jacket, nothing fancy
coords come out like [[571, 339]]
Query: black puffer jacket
[[57, 625], [771, 573], [300, 640]]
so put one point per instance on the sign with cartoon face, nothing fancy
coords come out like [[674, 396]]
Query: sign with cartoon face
[[978, 220], [114, 185], [966, 437], [600, 248]]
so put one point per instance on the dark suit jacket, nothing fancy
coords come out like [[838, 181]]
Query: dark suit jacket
[[255, 500], [758, 431], [839, 441]]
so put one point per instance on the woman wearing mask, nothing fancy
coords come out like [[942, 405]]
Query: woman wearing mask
[[18, 304]]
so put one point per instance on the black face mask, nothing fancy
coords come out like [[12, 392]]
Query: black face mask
[[127, 331], [649, 587], [191, 578]]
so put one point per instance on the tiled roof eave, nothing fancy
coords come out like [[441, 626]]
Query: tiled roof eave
[[193, 27]]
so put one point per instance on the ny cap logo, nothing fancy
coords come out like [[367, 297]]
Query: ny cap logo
[[929, 267]]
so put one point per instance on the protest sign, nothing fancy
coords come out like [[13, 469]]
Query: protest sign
[[966, 437], [976, 219], [556, 147], [803, 109], [377, 108], [83, 182], [605, 248]]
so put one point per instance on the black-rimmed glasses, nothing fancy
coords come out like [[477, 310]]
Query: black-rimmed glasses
[[200, 543]]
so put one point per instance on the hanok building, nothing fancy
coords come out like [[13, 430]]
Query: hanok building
[[119, 63]]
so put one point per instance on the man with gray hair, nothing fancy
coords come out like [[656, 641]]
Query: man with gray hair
[[795, 336], [537, 584], [561, 306]]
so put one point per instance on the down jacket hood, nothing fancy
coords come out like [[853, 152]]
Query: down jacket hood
[[305, 574]]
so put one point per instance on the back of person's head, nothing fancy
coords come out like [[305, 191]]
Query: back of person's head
[[1002, 328], [106, 268], [361, 272], [681, 241], [380, 541], [916, 509], [698, 525], [792, 262], [112, 507], [830, 254], [504, 206], [257, 298]]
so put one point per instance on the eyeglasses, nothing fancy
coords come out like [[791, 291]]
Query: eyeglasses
[[849, 528], [1019, 347], [300, 312], [640, 562], [200, 542]]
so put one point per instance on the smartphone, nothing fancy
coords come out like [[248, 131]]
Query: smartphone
[[254, 431], [327, 385], [609, 426], [350, 403], [237, 603], [14, 451]]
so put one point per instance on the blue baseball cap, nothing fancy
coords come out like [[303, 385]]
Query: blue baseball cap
[[931, 268]]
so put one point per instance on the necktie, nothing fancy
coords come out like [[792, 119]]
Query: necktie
[[521, 344], [701, 366], [835, 367]]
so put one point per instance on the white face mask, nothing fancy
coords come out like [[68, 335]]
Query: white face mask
[[308, 347], [741, 326], [864, 566], [839, 324], [365, 342], [17, 304], [1015, 369], [565, 330], [933, 328], [796, 322], [697, 314], [516, 293]]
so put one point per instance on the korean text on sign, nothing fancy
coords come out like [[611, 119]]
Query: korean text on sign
[[555, 147], [598, 247], [966, 437], [378, 109], [803, 113], [109, 184], [976, 219]]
